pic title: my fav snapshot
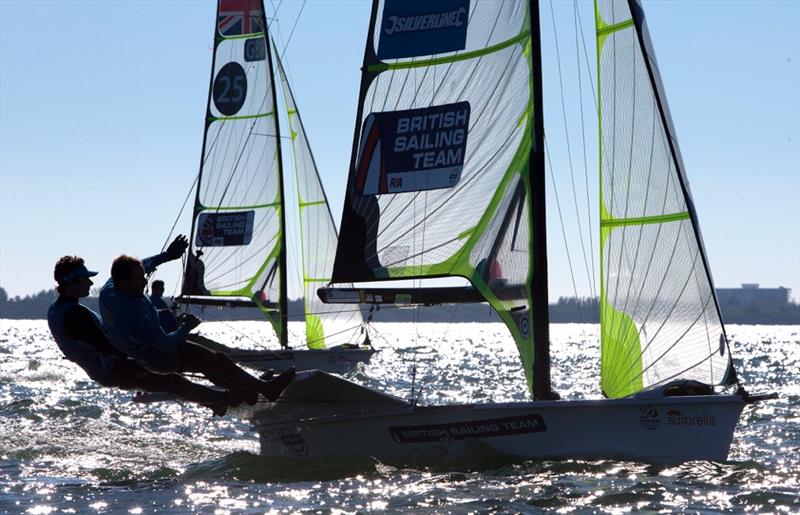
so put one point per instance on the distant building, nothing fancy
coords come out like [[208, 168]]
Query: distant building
[[750, 294]]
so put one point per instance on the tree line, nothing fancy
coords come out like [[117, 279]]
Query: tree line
[[565, 310]]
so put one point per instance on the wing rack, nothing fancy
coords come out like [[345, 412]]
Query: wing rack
[[400, 296]]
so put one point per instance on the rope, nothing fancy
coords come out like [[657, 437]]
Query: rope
[[569, 149], [293, 27]]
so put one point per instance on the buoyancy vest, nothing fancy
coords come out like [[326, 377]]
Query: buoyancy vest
[[97, 364]]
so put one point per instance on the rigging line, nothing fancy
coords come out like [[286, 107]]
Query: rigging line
[[183, 206], [563, 231], [271, 135], [424, 232], [293, 27], [356, 310], [585, 160], [276, 9], [569, 146], [260, 343], [337, 333], [586, 58]]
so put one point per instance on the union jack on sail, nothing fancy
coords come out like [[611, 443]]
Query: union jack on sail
[[237, 17]]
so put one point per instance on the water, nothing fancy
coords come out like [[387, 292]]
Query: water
[[69, 446]]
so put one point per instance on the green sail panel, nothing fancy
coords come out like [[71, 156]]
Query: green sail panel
[[659, 316], [237, 214], [438, 176], [326, 324]]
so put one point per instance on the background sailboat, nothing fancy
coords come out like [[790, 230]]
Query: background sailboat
[[447, 179], [238, 252]]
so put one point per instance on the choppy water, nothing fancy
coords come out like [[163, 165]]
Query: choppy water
[[69, 446]]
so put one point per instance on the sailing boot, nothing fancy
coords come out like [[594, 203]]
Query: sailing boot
[[237, 397], [273, 388], [219, 409]]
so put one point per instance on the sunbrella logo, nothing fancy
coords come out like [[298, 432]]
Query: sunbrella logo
[[677, 418], [395, 24]]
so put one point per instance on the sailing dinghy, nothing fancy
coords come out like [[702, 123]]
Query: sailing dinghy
[[238, 249], [447, 178]]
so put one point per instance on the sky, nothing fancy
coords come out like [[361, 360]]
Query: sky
[[102, 105]]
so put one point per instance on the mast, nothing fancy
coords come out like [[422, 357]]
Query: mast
[[346, 261], [536, 174], [282, 303]]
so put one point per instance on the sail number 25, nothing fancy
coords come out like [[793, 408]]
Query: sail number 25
[[230, 89]]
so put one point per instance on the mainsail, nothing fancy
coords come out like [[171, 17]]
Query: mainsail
[[325, 323], [439, 175], [238, 222], [659, 315]]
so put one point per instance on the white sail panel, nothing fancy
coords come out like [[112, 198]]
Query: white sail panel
[[238, 224], [438, 183], [409, 232], [659, 317], [326, 324]]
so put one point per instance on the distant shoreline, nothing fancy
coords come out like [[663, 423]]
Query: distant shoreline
[[566, 310]]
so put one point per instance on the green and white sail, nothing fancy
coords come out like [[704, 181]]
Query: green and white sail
[[659, 315], [326, 324], [438, 182], [238, 214]]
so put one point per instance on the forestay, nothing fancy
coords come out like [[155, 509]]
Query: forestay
[[325, 323], [438, 182], [659, 314], [238, 219]]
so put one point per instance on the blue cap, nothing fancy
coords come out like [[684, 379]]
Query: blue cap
[[81, 271]]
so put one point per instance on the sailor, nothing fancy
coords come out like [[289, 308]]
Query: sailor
[[165, 316], [194, 276], [133, 327], [79, 334]]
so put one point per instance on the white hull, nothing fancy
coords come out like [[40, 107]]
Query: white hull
[[337, 360], [364, 423]]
